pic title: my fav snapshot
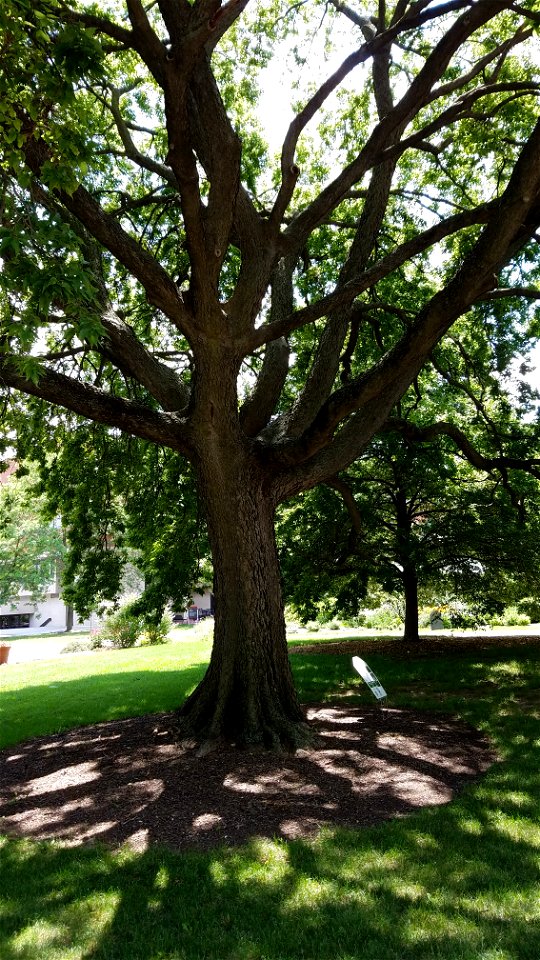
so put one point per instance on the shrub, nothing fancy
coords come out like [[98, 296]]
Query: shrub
[[384, 618], [76, 646], [155, 633], [313, 626], [531, 607], [510, 617], [96, 640], [122, 627], [513, 618]]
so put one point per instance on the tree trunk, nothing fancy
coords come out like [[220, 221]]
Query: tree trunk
[[410, 590], [406, 552], [247, 695]]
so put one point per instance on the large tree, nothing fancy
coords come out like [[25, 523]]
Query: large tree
[[164, 278]]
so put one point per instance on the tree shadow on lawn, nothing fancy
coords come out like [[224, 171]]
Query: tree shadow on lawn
[[457, 883], [424, 887]]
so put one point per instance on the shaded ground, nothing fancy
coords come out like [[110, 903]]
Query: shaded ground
[[130, 781], [428, 646]]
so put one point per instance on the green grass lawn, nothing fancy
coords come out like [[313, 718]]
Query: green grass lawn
[[459, 882]]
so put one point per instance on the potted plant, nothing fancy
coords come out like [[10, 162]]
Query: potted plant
[[4, 651]]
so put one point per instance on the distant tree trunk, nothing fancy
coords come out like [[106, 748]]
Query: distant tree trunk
[[69, 618], [410, 590], [247, 695], [405, 545]]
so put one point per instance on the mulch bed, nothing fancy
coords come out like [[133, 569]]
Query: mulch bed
[[131, 781]]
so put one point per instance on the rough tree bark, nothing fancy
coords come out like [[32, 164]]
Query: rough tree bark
[[248, 694]]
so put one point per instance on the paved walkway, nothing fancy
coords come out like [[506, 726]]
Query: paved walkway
[[38, 648], [42, 647]]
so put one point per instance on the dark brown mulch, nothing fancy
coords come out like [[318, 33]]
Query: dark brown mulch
[[130, 781]]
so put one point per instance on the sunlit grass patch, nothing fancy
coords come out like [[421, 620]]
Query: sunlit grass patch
[[41, 697]]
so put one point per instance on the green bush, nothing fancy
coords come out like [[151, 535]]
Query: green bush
[[513, 618], [531, 607], [384, 618], [510, 617], [122, 628], [158, 632], [313, 626], [76, 646]]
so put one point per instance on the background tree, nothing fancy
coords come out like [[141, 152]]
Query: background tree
[[162, 279], [418, 521], [30, 546]]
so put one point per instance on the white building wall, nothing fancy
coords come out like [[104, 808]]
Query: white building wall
[[48, 615]]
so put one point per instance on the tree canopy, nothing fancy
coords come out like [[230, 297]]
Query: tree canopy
[[168, 278], [420, 522], [31, 547]]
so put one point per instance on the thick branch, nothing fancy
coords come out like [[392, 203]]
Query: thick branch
[[374, 394], [160, 289], [502, 293], [473, 455], [99, 24], [126, 350], [88, 401], [349, 291], [344, 490], [259, 407], [326, 364], [145, 41], [132, 153], [219, 150]]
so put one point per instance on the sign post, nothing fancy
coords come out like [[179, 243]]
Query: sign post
[[369, 677]]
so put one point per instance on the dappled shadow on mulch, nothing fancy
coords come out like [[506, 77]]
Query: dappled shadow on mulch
[[131, 781]]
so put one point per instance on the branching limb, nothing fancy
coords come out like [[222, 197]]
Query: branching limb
[[95, 404], [259, 407], [417, 95], [503, 293], [345, 491], [257, 410], [101, 25], [359, 409], [349, 291], [145, 41], [327, 358], [159, 287], [473, 455], [123, 347], [132, 153]]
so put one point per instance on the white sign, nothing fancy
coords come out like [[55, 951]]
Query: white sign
[[367, 674]]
